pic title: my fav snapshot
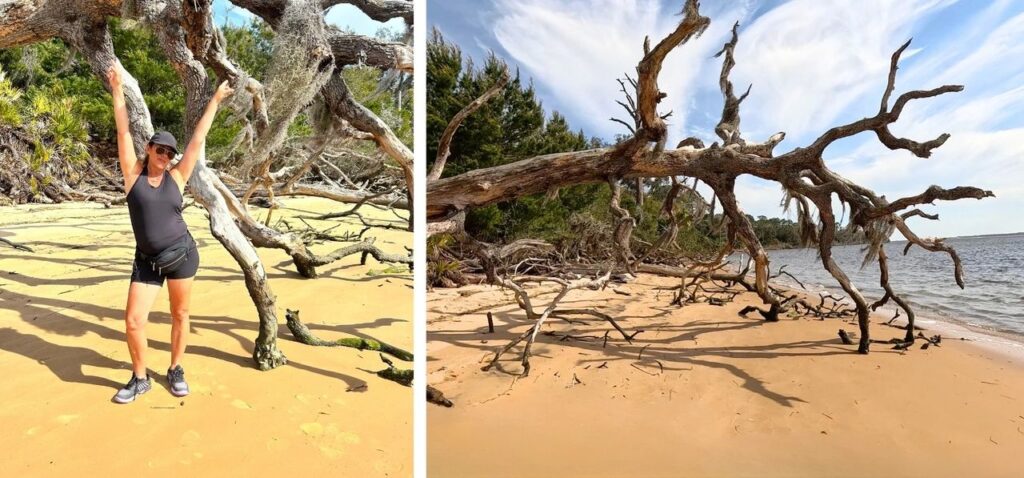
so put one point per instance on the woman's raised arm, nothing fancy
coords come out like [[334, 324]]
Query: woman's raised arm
[[125, 145], [183, 170]]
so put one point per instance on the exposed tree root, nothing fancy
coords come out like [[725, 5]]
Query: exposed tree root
[[302, 334]]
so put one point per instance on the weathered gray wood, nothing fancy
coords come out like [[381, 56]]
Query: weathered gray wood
[[444, 145], [352, 49], [340, 103], [380, 10], [335, 92]]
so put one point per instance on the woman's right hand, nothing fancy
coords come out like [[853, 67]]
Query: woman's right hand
[[223, 91], [114, 76]]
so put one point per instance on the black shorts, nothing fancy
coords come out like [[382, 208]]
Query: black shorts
[[143, 272]]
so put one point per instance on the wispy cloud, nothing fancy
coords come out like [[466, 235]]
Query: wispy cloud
[[576, 49], [810, 61], [986, 121]]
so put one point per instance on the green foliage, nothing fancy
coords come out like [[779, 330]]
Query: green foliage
[[250, 47], [513, 126], [395, 110], [61, 86], [442, 269], [782, 233], [9, 101], [51, 65], [41, 155], [47, 118], [776, 232], [510, 127], [390, 34]]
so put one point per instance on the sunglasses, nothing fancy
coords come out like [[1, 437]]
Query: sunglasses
[[164, 150]]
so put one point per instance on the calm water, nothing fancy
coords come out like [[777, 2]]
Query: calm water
[[993, 273]]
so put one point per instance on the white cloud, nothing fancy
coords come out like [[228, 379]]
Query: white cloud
[[987, 139], [578, 48], [811, 60], [989, 160], [990, 61], [758, 197], [986, 127]]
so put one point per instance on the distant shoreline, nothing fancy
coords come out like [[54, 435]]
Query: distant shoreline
[[778, 247]]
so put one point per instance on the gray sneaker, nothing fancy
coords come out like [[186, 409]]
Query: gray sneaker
[[176, 379], [135, 387]]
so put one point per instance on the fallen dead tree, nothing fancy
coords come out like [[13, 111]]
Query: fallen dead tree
[[809, 185]]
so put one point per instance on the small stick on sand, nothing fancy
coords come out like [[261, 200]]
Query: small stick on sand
[[641, 354]]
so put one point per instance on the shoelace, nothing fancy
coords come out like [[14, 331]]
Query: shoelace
[[133, 383], [176, 375]]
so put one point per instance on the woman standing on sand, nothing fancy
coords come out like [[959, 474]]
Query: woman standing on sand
[[163, 246]]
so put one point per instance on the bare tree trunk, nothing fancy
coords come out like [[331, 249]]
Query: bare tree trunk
[[341, 103]]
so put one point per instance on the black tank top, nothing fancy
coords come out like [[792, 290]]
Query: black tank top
[[156, 213]]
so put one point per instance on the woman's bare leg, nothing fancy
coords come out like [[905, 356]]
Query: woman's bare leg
[[136, 314], [180, 291]]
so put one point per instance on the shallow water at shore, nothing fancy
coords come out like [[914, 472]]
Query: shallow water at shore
[[993, 271]]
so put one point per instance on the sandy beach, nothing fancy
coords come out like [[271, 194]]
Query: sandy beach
[[63, 354], [706, 392]]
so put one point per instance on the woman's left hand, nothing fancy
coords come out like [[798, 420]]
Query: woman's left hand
[[223, 91]]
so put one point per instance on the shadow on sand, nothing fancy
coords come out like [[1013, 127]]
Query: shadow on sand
[[50, 314], [659, 344]]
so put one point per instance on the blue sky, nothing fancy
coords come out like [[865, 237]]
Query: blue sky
[[342, 16], [813, 64]]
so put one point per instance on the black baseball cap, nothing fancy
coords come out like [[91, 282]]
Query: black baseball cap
[[166, 139]]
